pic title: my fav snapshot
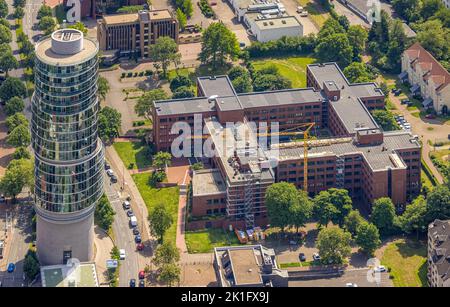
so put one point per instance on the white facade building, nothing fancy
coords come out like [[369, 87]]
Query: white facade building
[[267, 29]]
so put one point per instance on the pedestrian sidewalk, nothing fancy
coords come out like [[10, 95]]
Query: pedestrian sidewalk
[[103, 246]]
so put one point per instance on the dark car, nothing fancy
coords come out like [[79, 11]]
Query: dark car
[[130, 213], [404, 101], [107, 166], [397, 92], [141, 283], [136, 231], [302, 257], [132, 283], [11, 267], [113, 179], [138, 239]]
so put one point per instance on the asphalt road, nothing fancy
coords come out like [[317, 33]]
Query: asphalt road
[[124, 238], [30, 18], [19, 244]]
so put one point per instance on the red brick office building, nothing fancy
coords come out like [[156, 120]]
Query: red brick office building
[[360, 157]]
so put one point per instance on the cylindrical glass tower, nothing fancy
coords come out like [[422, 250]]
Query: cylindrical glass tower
[[68, 153]]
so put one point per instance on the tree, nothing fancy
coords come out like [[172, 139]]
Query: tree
[[444, 16], [18, 175], [103, 87], [47, 24], [385, 119], [27, 47], [383, 216], [19, 3], [397, 45], [161, 160], [269, 82], [104, 213], [182, 19], [357, 38], [434, 38], [166, 253], [180, 81], [352, 221], [19, 13], [3, 9], [335, 47], [14, 105], [31, 265], [144, 105], [4, 22], [343, 21], [438, 203], [332, 205], [160, 220], [408, 9], [5, 35], [183, 92], [164, 52], [301, 210], [279, 199], [20, 136], [242, 84], [79, 26], [169, 274], [333, 244], [238, 71], [21, 153], [357, 72], [16, 120], [44, 10], [188, 8], [368, 238], [414, 217], [430, 8], [218, 44], [109, 121], [12, 87]]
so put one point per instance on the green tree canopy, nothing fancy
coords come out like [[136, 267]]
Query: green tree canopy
[[103, 87], [21, 153], [183, 92], [31, 265], [385, 119], [352, 221], [44, 10], [18, 175], [104, 213], [368, 238], [20, 136], [166, 253], [270, 82], [5, 35], [218, 44], [182, 19], [180, 81], [438, 203], [242, 84], [16, 120], [12, 87], [3, 9], [333, 244], [357, 72], [109, 121], [47, 25], [144, 105], [14, 105], [357, 38], [164, 52], [160, 220], [335, 47], [161, 159], [414, 217], [332, 205], [169, 274], [383, 216], [280, 198]]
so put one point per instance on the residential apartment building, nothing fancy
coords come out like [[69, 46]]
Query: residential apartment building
[[133, 34], [439, 254], [428, 77], [360, 157]]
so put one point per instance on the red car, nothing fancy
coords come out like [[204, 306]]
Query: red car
[[141, 275], [140, 246]]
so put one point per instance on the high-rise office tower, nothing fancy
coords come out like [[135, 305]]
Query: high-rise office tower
[[69, 156]]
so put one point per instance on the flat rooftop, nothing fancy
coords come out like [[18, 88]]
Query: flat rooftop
[[245, 267], [84, 275], [208, 182], [278, 23], [282, 97], [379, 157], [121, 18], [216, 85], [45, 53]]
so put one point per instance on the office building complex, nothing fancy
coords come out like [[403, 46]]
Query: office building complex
[[93, 8], [132, 34], [68, 153], [439, 254], [359, 156]]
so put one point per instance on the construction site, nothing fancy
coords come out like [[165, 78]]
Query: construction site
[[243, 161]]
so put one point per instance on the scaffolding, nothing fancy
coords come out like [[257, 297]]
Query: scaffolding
[[340, 172]]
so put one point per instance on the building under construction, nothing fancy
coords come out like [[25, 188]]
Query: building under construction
[[359, 157]]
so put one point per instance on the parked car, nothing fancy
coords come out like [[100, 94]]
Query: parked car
[[126, 205], [140, 246], [213, 3], [109, 172], [351, 285], [130, 213], [302, 257], [316, 257], [128, 197], [299, 9], [132, 283], [107, 166], [122, 254], [397, 92], [430, 116], [138, 239], [141, 283], [404, 101], [11, 267], [141, 275], [2, 198], [136, 231], [114, 179], [304, 14], [380, 269]]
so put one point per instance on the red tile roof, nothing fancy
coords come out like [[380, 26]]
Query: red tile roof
[[438, 73]]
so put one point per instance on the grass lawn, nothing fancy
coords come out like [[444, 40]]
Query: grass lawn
[[315, 10], [293, 68], [153, 196], [407, 260], [441, 154], [296, 264], [204, 241], [426, 180], [137, 153]]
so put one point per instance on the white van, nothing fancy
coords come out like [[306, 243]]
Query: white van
[[122, 254], [133, 221]]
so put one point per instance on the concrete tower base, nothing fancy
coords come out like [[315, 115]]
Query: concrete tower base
[[59, 240]]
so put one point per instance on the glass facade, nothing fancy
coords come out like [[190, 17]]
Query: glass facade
[[69, 155]]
